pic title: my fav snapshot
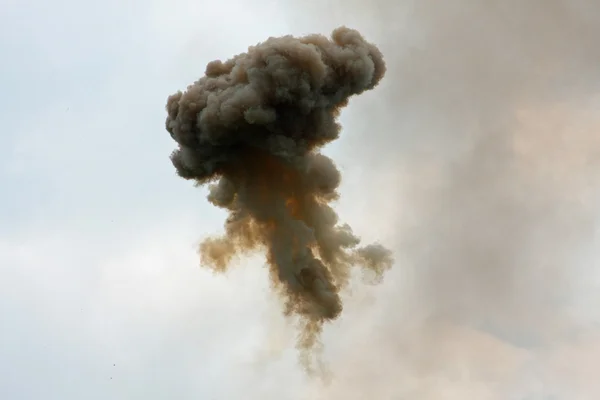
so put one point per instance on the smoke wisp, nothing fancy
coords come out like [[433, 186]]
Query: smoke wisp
[[252, 128]]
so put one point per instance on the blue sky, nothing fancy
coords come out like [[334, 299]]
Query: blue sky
[[101, 296]]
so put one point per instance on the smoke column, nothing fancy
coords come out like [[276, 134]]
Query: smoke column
[[252, 128]]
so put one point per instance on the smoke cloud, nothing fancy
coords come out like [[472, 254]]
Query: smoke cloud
[[252, 128]]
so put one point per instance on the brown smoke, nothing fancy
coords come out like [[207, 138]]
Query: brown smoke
[[255, 124]]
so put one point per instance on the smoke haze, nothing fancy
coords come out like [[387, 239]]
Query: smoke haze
[[487, 142]]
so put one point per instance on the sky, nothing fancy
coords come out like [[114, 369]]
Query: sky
[[475, 160]]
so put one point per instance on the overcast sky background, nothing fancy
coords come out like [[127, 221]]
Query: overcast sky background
[[101, 296]]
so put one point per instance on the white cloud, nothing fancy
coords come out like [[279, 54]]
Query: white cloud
[[75, 310]]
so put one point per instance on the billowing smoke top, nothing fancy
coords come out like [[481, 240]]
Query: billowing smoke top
[[282, 96], [255, 123]]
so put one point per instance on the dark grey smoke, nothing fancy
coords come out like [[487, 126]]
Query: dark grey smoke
[[254, 125]]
